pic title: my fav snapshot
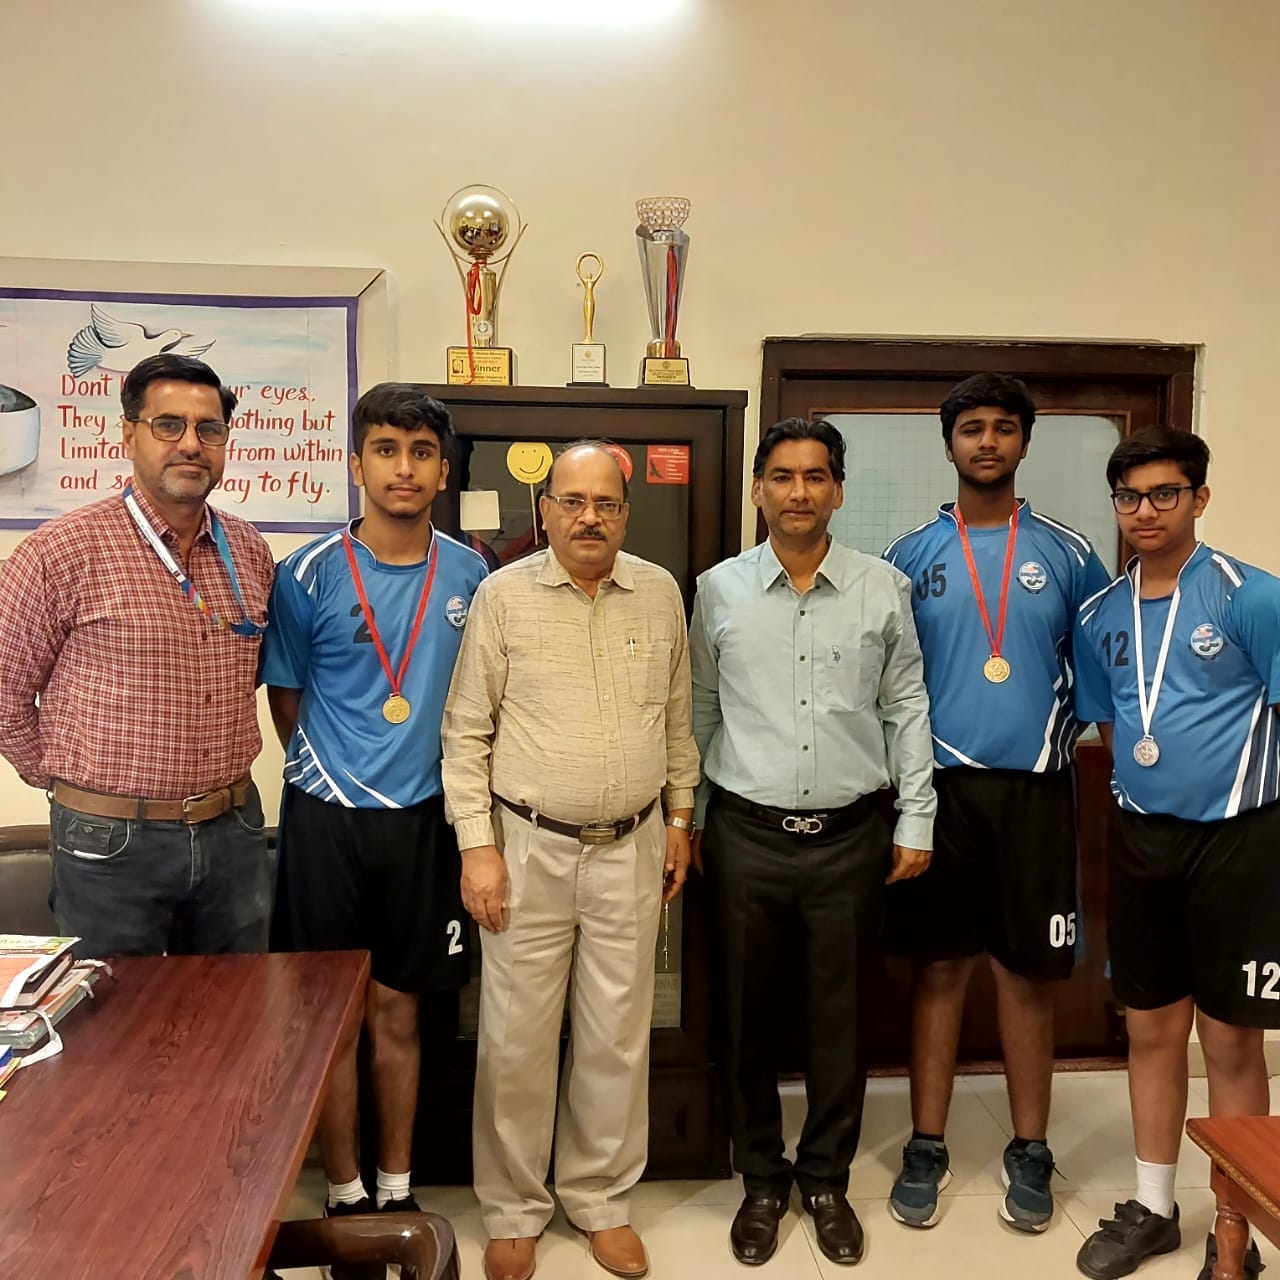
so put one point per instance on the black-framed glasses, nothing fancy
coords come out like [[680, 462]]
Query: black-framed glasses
[[605, 508], [1162, 498], [167, 428]]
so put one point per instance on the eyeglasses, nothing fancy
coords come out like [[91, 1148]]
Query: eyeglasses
[[606, 508], [169, 429], [1165, 498]]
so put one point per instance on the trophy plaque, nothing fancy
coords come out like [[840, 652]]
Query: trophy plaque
[[481, 227], [664, 249], [587, 368]]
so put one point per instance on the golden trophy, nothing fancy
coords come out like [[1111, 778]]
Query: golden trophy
[[664, 249], [588, 355], [477, 225]]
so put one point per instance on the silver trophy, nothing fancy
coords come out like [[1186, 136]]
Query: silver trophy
[[664, 248]]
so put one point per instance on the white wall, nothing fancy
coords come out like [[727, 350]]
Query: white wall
[[1105, 169]]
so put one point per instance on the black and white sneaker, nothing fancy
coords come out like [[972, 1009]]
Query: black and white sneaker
[[1253, 1262], [1132, 1236], [1026, 1173], [406, 1204], [354, 1270]]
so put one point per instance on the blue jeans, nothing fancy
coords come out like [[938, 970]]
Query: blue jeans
[[142, 888]]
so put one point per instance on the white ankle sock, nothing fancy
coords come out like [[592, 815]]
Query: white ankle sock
[[391, 1186], [1155, 1187], [346, 1192]]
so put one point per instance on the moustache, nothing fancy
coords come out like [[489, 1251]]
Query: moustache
[[588, 535]]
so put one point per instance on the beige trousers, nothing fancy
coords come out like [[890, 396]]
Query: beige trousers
[[585, 920]]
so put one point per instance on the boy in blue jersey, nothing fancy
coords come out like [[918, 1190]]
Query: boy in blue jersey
[[996, 588], [1179, 663], [365, 627]]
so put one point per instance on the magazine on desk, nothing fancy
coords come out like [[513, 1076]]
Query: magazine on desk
[[30, 964]]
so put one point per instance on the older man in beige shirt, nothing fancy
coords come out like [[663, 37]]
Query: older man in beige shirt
[[567, 736]]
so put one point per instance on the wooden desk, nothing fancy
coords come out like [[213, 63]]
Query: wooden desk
[[1245, 1151], [165, 1140]]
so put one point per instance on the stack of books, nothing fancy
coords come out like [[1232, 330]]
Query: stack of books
[[30, 964], [25, 1028]]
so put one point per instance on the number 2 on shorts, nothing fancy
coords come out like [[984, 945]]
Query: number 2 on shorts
[[454, 931]]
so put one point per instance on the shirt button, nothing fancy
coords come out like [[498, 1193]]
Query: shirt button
[[802, 657], [606, 697], [806, 746], [208, 698], [805, 792], [802, 613], [613, 737], [599, 653], [804, 702]]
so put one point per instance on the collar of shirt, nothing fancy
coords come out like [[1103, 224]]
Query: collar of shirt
[[161, 525], [836, 568], [948, 509], [1189, 566], [554, 574]]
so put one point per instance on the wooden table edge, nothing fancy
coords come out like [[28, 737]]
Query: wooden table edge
[[353, 1012]]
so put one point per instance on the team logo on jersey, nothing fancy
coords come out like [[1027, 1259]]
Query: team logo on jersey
[[1206, 641], [1032, 576], [456, 611]]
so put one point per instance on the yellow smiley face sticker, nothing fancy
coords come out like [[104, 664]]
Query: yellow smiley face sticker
[[529, 463]]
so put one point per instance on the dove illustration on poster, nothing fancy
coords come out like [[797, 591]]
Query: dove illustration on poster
[[116, 345]]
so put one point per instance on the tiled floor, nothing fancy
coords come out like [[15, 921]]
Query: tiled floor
[[685, 1224]]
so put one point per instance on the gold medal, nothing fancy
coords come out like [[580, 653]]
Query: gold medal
[[996, 669], [396, 709]]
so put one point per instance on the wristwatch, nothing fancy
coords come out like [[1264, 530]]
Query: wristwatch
[[681, 824]]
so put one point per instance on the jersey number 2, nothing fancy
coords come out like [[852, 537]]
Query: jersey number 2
[[454, 931], [362, 635], [1120, 658]]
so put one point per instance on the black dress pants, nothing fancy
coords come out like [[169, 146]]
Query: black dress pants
[[774, 887]]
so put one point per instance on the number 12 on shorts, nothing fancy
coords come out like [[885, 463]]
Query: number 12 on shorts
[[1270, 980], [1062, 930]]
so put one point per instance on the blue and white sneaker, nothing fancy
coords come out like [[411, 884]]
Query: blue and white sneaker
[[1026, 1172], [926, 1170]]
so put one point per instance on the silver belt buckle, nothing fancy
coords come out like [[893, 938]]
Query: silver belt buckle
[[801, 825], [598, 833]]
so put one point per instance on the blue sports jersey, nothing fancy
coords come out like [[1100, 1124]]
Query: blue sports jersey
[[343, 750], [1215, 720], [1027, 722]]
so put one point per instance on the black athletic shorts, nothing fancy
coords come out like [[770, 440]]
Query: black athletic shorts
[[1195, 911], [381, 880], [1003, 875]]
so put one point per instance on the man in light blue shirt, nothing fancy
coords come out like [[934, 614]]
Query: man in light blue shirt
[[808, 699]]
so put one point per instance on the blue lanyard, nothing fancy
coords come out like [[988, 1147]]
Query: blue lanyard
[[246, 626]]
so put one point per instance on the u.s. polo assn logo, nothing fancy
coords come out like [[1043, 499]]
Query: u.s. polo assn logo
[[1032, 576], [1206, 641]]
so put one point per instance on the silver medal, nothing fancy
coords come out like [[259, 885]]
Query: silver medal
[[1146, 751]]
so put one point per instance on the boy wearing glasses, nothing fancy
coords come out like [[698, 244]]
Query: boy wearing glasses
[[129, 637], [1179, 664]]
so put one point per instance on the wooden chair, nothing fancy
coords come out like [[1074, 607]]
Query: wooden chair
[[421, 1244]]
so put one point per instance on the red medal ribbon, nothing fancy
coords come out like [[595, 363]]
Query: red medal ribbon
[[397, 679], [995, 637]]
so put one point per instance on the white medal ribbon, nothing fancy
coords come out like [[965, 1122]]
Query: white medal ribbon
[[1147, 701]]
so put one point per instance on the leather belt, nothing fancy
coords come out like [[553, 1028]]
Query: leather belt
[[587, 833], [808, 822], [194, 809]]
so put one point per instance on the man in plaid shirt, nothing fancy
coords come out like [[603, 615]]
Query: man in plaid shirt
[[129, 637]]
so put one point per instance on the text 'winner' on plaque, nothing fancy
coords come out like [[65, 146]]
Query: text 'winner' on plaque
[[664, 249], [481, 227], [588, 365]]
